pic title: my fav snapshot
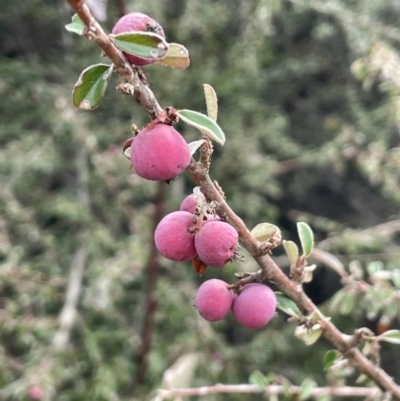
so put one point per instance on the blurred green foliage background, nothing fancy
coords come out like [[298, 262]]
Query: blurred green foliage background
[[309, 101]]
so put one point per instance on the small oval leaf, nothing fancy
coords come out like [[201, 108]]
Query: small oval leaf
[[306, 236], [264, 231], [204, 124], [91, 85], [211, 101], [286, 305], [76, 26], [292, 250], [348, 302], [391, 336], [330, 358], [147, 45], [306, 389], [308, 336], [195, 145], [177, 57], [258, 379]]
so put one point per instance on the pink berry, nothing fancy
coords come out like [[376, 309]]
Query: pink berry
[[255, 306], [159, 153], [216, 243], [214, 300], [189, 203], [172, 237], [35, 393], [140, 23]]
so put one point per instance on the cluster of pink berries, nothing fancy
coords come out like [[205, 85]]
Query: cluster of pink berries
[[179, 236], [184, 235], [253, 307]]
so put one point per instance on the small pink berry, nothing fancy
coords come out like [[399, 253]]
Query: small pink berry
[[214, 300], [35, 393], [216, 243], [255, 306], [173, 238], [159, 153], [137, 22], [189, 203]]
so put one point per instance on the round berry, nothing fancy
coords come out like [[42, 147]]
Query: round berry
[[214, 300], [35, 393], [137, 22], [190, 202], [159, 153], [216, 243], [173, 238], [255, 306]]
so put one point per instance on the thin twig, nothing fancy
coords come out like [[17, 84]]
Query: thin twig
[[268, 390], [197, 172], [68, 312]]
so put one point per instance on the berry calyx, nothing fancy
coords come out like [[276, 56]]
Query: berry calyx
[[137, 22], [159, 153]]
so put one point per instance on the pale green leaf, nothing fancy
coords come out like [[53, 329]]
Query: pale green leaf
[[258, 379], [306, 236], [204, 124], [264, 231], [391, 336], [146, 45], [306, 389], [177, 57], [195, 145], [292, 251], [211, 101], [308, 335], [76, 26]]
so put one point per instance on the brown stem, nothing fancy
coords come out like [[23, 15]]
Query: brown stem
[[271, 271], [94, 32], [150, 306]]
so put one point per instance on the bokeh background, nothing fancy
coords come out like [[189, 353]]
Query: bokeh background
[[309, 101]]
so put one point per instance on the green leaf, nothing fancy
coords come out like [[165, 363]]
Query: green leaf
[[306, 238], [391, 336], [147, 45], [76, 26], [91, 85], [308, 335], [177, 57], [306, 389], [211, 101], [204, 124], [292, 251], [374, 267], [396, 277], [330, 358], [258, 379], [286, 305], [348, 302], [264, 231], [195, 145], [287, 387]]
